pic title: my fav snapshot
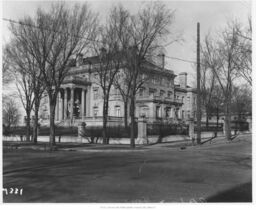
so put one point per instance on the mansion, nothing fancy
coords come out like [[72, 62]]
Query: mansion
[[159, 98]]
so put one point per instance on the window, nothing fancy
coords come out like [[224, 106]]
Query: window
[[141, 92], [182, 115], [95, 111], [95, 93], [144, 111], [169, 94], [158, 112], [162, 92], [153, 80], [117, 111], [188, 114], [168, 112], [151, 92], [182, 99], [188, 100]]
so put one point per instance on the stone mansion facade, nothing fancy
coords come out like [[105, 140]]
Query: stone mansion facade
[[80, 98]]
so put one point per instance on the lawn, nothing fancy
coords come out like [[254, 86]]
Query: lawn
[[218, 172]]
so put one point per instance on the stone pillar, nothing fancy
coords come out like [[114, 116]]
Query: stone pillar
[[71, 103], [249, 120], [81, 130], [82, 103], [224, 127], [191, 125], [65, 103], [88, 105], [142, 131]]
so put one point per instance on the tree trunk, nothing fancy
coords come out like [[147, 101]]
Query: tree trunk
[[126, 115], [228, 118], [28, 126], [35, 125], [52, 122], [132, 114], [207, 120], [105, 120]]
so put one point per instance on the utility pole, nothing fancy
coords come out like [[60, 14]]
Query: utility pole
[[198, 114]]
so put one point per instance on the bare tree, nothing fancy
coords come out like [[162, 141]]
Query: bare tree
[[147, 29], [6, 74], [219, 55], [110, 55], [11, 113], [243, 59], [208, 85], [242, 100], [21, 64], [52, 38], [28, 81]]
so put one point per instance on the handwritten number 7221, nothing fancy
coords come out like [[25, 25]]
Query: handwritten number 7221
[[13, 191]]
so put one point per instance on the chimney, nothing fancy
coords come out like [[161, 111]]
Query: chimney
[[79, 59], [183, 80], [162, 57]]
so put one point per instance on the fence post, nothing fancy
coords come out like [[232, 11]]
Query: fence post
[[249, 120], [191, 129], [142, 131], [81, 130]]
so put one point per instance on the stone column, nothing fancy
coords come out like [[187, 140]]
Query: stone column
[[142, 131], [65, 103], [61, 108], [72, 103], [57, 108], [88, 98], [82, 103]]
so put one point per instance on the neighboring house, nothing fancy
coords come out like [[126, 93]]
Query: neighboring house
[[80, 98]]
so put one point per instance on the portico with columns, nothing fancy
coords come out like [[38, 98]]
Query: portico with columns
[[73, 102]]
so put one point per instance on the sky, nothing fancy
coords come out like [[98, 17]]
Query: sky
[[212, 15]]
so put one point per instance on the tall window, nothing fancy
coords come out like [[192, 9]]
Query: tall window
[[188, 114], [95, 111], [151, 92], [117, 111], [169, 94], [141, 92], [183, 113], [158, 112], [95, 93], [188, 100]]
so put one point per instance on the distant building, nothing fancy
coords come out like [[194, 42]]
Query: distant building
[[80, 98]]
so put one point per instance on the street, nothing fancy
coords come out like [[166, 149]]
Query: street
[[216, 172]]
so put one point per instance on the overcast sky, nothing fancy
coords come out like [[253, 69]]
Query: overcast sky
[[212, 16]]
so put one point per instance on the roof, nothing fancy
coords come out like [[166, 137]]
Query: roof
[[146, 64]]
